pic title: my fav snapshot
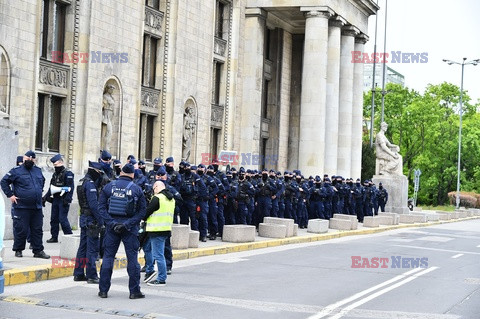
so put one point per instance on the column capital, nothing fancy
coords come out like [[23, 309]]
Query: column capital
[[255, 12], [350, 30], [313, 12], [361, 38], [337, 22]]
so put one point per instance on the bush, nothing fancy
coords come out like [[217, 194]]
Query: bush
[[467, 199]]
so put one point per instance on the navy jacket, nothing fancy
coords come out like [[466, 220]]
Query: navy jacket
[[27, 186], [131, 223], [91, 193]]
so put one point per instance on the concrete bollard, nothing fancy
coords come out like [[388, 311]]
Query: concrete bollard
[[340, 224], [193, 239], [295, 230], [395, 216], [406, 219], [281, 221], [419, 218], [317, 226], [371, 221], [385, 220], [69, 246], [180, 236], [352, 218], [272, 230], [238, 233]]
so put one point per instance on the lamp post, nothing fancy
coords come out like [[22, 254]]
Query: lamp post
[[463, 63]]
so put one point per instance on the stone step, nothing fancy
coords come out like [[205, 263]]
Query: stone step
[[317, 226], [340, 224], [272, 230], [289, 223], [444, 215], [352, 218], [239, 233]]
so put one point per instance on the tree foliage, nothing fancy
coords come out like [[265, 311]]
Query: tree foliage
[[426, 129]]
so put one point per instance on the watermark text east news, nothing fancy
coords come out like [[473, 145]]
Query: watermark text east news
[[393, 57]]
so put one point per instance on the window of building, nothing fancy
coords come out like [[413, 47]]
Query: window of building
[[217, 82], [265, 99], [219, 19], [149, 60], [145, 143], [153, 4], [4, 83], [52, 34], [47, 138], [214, 141]]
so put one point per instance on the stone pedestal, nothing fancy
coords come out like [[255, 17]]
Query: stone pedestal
[[317, 226], [238, 233], [69, 245], [180, 236], [397, 188]]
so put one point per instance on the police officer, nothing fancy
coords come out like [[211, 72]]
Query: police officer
[[367, 203], [359, 197], [122, 206], [188, 190], [291, 189], [90, 225], [245, 191], [174, 180], [216, 202], [62, 177], [151, 176], [302, 202], [207, 190], [266, 188], [106, 161], [23, 185], [382, 198], [327, 203], [231, 204], [280, 195], [318, 193], [117, 168]]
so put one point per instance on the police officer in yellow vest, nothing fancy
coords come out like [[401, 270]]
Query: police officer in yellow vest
[[159, 219]]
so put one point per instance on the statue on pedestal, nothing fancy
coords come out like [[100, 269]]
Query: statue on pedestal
[[107, 116], [189, 125], [389, 161]]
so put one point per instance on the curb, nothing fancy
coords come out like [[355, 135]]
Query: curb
[[47, 272]]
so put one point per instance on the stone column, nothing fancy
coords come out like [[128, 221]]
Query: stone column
[[314, 97], [344, 152], [252, 82], [333, 83], [357, 112]]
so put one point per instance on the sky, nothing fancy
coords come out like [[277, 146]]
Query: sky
[[444, 29]]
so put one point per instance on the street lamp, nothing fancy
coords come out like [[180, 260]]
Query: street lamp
[[463, 63]]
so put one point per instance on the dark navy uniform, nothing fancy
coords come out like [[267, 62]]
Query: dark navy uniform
[[188, 190], [382, 197], [121, 228], [60, 202], [27, 185], [90, 225], [245, 191]]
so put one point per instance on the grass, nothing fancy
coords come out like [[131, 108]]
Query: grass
[[448, 208]]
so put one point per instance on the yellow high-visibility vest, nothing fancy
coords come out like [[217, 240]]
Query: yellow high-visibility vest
[[162, 218]]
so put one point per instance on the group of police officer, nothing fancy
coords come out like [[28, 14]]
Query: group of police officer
[[113, 201]]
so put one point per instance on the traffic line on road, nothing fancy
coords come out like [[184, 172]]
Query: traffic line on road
[[438, 249], [457, 255], [330, 308], [347, 309]]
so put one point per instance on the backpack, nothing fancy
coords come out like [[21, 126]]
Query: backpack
[[121, 202]]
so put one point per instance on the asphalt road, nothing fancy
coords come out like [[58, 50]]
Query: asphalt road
[[314, 280]]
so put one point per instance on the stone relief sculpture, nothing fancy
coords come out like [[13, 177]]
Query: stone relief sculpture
[[189, 126], [389, 161], [107, 116]]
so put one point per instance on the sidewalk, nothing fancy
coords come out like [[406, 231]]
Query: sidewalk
[[28, 269]]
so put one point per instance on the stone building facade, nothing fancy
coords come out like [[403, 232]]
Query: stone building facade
[[186, 78]]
